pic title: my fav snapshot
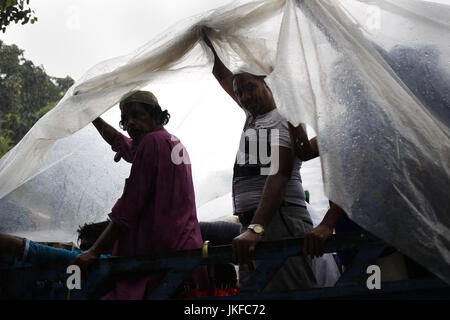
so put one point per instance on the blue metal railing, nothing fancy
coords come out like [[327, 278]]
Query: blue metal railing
[[49, 282]]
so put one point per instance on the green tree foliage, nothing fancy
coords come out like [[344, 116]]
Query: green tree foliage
[[5, 144], [26, 94], [15, 11]]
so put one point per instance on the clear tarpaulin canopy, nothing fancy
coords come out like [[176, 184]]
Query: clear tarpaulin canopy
[[371, 77]]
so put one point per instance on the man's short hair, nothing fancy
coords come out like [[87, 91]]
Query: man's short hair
[[92, 230]]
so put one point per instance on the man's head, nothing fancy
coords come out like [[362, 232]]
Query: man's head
[[253, 93], [89, 233], [141, 114]]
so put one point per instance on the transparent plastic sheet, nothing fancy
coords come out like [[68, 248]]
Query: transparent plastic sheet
[[376, 94], [78, 183], [384, 146], [175, 55]]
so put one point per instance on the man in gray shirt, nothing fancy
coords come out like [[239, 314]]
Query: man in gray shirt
[[268, 196]]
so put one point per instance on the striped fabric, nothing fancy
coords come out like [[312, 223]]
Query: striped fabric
[[253, 160]]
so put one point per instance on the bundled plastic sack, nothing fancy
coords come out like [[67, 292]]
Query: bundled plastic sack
[[370, 77]]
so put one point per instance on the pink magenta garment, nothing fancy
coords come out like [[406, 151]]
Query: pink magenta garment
[[156, 212]]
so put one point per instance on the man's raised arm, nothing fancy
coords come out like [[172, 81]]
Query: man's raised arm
[[107, 132], [220, 71]]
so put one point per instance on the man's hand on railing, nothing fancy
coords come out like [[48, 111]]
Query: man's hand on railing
[[315, 240], [243, 247], [85, 260]]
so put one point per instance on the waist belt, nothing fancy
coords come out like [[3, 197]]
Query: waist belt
[[246, 217]]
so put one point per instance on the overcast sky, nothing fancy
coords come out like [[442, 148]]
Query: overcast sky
[[72, 36]]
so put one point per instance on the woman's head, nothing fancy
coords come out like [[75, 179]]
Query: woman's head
[[141, 114]]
